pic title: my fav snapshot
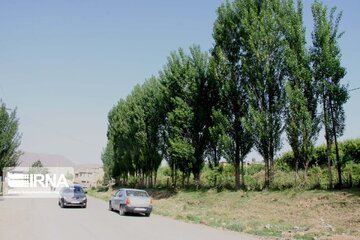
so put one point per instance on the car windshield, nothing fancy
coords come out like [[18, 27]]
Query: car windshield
[[73, 190], [135, 193]]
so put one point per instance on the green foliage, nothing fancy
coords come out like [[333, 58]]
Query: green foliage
[[132, 182], [254, 168], [107, 157], [263, 65], [349, 149], [285, 162], [218, 140], [259, 81], [256, 181], [328, 73], [220, 177], [133, 134], [101, 189], [9, 138], [302, 126], [234, 98], [352, 174], [283, 180], [188, 90], [318, 176]]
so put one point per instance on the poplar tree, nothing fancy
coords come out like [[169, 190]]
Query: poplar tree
[[265, 69], [302, 121], [328, 73], [228, 35]]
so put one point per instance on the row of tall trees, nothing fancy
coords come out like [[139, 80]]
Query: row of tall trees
[[133, 136], [260, 80]]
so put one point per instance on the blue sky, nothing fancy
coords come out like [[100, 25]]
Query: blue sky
[[64, 64]]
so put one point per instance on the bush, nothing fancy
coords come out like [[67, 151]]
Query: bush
[[101, 188], [255, 182], [286, 162], [351, 149], [218, 177], [349, 152], [351, 174], [254, 168], [163, 176], [132, 182], [283, 180], [214, 177]]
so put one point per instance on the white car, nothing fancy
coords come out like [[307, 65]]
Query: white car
[[128, 200]]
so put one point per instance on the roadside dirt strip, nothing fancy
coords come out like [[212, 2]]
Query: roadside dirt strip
[[44, 219]]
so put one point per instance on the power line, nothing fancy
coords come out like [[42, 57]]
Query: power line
[[354, 89]]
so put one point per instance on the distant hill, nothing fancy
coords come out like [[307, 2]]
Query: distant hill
[[86, 167], [48, 160]]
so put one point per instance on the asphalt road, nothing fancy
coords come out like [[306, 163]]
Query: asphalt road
[[43, 219]]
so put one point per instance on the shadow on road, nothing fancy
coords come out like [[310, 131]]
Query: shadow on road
[[135, 215], [72, 207]]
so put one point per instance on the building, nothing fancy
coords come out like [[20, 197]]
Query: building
[[88, 175], [223, 162]]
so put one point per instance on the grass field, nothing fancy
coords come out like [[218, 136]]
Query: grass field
[[286, 214]]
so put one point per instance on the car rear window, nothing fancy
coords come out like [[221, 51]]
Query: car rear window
[[73, 190], [134, 193]]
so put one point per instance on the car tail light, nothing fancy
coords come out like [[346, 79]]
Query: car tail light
[[127, 201]]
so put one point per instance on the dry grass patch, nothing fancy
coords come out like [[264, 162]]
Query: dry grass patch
[[287, 215]]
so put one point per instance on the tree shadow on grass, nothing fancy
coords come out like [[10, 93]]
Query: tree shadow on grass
[[161, 194], [353, 192]]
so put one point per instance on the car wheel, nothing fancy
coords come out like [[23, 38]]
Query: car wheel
[[121, 210], [147, 214], [62, 204], [84, 206], [110, 207]]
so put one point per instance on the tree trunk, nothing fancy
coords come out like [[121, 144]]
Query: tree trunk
[[328, 140], [267, 178], [183, 179], [173, 175], [328, 152], [242, 175], [237, 176], [197, 166], [151, 179], [237, 166], [306, 167], [216, 162], [143, 179], [197, 180], [215, 181], [338, 163], [271, 164], [296, 170], [155, 178]]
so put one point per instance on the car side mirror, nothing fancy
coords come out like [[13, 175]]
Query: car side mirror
[[85, 191]]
